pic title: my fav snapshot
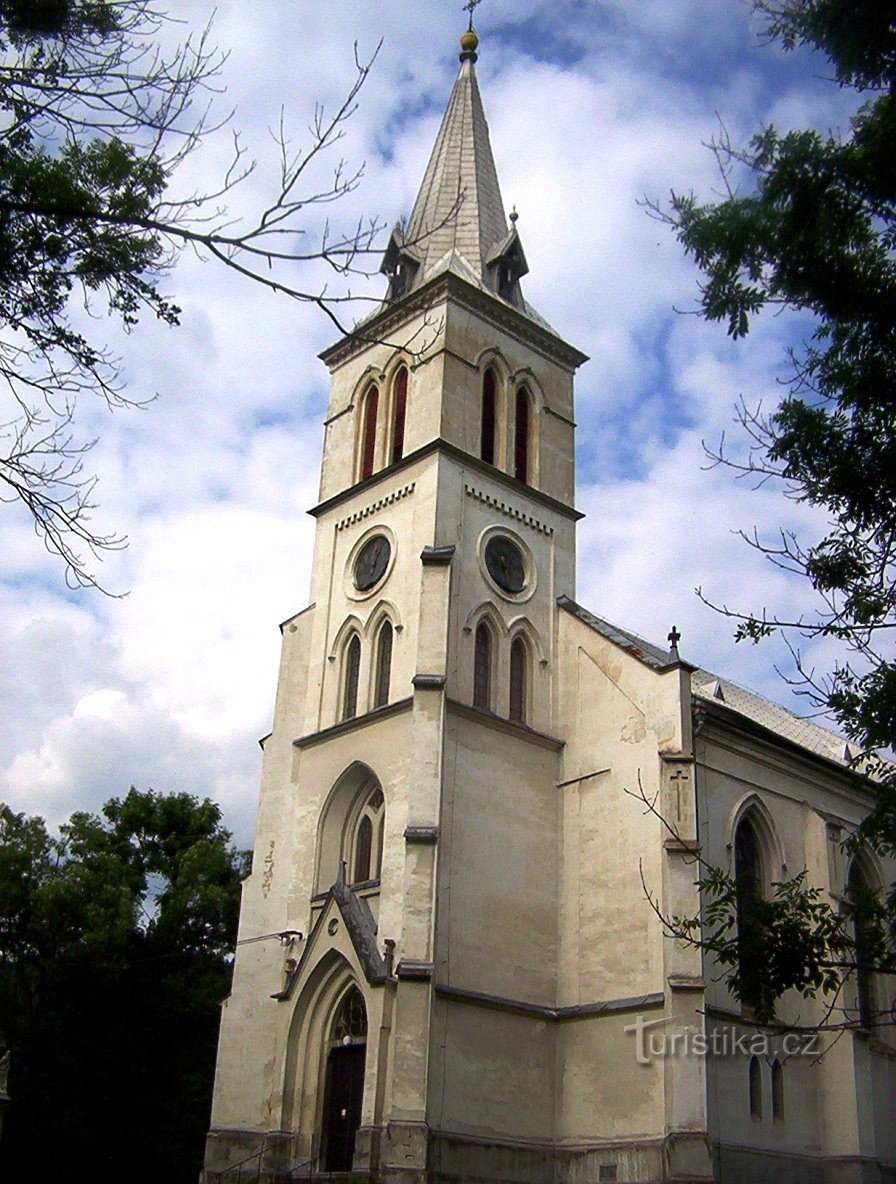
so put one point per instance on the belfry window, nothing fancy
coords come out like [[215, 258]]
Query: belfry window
[[518, 679], [489, 420], [351, 677], [368, 434], [521, 448], [383, 665], [482, 667], [399, 413]]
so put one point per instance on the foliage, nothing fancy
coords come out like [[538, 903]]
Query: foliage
[[793, 941], [95, 120], [115, 945], [813, 229]]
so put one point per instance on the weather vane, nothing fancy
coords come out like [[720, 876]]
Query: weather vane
[[469, 7]]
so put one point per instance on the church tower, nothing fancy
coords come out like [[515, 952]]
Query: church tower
[[450, 966], [407, 950]]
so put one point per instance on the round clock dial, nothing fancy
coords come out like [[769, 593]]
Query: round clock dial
[[505, 564], [372, 561]]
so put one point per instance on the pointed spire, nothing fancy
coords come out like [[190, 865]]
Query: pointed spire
[[458, 222]]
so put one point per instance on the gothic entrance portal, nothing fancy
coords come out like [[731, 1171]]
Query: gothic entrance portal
[[344, 1083]]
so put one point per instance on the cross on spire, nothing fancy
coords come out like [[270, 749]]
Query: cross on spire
[[469, 7]]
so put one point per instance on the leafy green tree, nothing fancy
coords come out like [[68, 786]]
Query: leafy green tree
[[115, 955], [95, 120], [808, 223]]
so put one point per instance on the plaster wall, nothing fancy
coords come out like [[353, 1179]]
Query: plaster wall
[[497, 889], [493, 1073], [616, 716]]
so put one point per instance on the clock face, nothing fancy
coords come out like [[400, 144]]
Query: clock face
[[372, 561], [505, 563]]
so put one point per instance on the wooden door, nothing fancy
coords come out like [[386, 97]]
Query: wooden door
[[342, 1105]]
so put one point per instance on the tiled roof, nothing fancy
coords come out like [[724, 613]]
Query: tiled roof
[[804, 732], [644, 651], [710, 688]]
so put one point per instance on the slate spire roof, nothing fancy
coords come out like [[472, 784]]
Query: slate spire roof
[[459, 206], [458, 222]]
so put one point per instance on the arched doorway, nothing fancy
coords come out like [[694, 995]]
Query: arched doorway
[[344, 1083]]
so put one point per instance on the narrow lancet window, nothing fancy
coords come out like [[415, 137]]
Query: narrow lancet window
[[383, 665], [755, 1089], [363, 850], [748, 881], [859, 893], [351, 678], [777, 1091], [487, 434], [521, 436], [518, 677], [368, 437], [482, 669], [399, 414]]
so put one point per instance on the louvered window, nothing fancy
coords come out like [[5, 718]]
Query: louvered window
[[368, 444], [487, 436], [399, 414], [521, 436]]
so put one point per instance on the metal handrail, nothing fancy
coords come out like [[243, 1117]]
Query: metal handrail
[[221, 1173]]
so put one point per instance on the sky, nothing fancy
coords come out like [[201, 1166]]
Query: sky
[[592, 107]]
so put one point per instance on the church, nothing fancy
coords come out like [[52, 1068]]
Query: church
[[449, 966]]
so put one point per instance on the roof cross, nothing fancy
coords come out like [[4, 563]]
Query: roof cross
[[469, 7], [674, 638]]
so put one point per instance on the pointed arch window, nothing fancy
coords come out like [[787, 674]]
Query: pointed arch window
[[859, 892], [365, 854], [482, 667], [399, 413], [519, 674], [363, 849], [521, 449], [755, 1089], [777, 1091], [351, 678], [368, 434], [383, 665], [489, 420], [749, 879]]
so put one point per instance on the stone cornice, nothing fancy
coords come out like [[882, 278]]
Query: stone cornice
[[352, 725], [578, 1011], [510, 727], [497, 312], [445, 448]]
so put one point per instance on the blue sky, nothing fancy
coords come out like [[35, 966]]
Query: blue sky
[[591, 106]]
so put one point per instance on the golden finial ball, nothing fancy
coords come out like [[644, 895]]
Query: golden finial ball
[[469, 42]]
